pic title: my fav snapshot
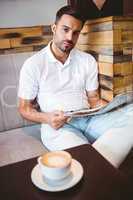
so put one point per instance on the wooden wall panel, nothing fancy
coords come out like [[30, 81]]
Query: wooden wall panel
[[24, 39], [110, 40]]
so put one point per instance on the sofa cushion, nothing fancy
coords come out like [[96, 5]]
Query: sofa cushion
[[115, 144], [20, 144], [10, 66]]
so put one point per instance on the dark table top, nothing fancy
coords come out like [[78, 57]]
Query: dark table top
[[101, 181]]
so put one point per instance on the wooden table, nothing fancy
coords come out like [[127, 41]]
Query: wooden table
[[101, 181]]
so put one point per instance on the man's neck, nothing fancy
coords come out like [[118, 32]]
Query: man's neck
[[59, 55]]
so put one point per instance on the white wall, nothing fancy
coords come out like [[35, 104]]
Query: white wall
[[15, 13]]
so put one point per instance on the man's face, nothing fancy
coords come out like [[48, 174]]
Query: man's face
[[66, 33]]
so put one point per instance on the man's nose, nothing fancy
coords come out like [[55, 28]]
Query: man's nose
[[70, 36]]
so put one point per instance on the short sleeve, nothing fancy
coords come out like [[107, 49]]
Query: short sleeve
[[92, 75], [28, 82]]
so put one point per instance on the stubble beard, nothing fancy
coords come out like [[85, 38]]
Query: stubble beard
[[64, 49]]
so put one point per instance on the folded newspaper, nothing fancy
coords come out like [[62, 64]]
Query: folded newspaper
[[118, 101]]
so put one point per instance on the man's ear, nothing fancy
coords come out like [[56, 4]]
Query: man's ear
[[53, 28]]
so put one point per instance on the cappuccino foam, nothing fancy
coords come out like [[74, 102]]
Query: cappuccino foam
[[56, 159]]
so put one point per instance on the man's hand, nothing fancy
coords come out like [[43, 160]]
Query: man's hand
[[94, 99], [56, 119]]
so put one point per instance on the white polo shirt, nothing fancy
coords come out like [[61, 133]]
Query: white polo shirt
[[58, 86]]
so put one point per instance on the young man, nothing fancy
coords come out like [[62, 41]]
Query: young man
[[61, 78]]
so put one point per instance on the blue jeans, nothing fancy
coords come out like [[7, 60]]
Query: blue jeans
[[94, 126]]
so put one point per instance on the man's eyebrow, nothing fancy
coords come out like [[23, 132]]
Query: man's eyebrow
[[65, 26]]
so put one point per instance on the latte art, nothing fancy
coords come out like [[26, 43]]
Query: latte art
[[57, 159]]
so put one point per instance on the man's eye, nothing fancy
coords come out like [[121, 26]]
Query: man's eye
[[76, 33], [66, 30]]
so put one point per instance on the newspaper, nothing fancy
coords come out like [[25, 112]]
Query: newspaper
[[119, 100], [83, 112]]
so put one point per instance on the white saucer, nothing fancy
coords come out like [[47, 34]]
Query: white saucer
[[74, 177]]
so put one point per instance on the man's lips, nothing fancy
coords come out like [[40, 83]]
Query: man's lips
[[66, 43]]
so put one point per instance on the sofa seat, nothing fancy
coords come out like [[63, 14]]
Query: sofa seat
[[20, 144]]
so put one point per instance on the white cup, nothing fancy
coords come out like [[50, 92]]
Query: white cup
[[55, 165]]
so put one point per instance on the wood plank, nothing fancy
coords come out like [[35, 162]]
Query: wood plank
[[128, 80], [106, 81], [111, 70], [123, 25], [128, 49], [127, 37], [30, 41], [106, 94], [4, 43], [106, 69], [105, 37], [123, 18], [124, 81], [116, 82], [125, 68], [83, 38], [83, 47], [114, 59], [105, 26], [123, 89], [98, 38], [21, 32], [107, 49]]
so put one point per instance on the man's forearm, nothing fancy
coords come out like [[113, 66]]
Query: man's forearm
[[30, 112], [54, 119], [33, 115]]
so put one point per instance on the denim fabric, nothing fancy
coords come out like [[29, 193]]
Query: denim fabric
[[94, 126]]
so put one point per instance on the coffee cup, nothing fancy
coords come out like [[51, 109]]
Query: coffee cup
[[55, 165]]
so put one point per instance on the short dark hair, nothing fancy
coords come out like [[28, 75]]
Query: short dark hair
[[68, 10]]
